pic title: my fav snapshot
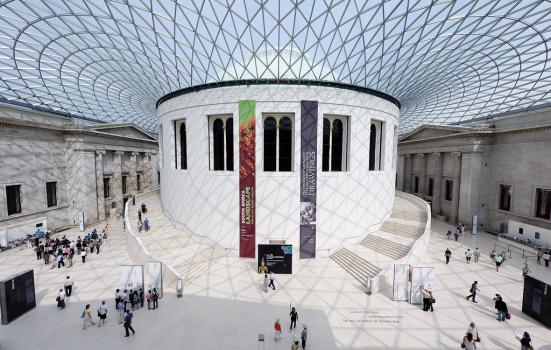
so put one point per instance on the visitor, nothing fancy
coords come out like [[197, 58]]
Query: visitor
[[118, 297], [102, 313], [456, 235], [294, 318], [39, 249], [525, 342], [277, 331], [473, 290], [468, 342], [132, 298], [294, 344], [98, 244], [155, 298], [501, 308], [468, 255], [525, 270], [128, 323], [68, 286], [141, 297], [139, 215], [60, 300], [60, 261], [538, 257], [140, 226], [46, 257], [265, 283], [304, 335], [476, 254], [120, 309], [83, 255], [149, 298], [546, 258], [448, 254], [70, 257], [272, 279], [474, 331], [498, 260], [144, 209], [493, 254], [449, 234], [146, 224], [87, 317], [427, 297]]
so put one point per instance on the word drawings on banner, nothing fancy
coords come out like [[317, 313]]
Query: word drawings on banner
[[154, 273], [131, 277], [421, 277]]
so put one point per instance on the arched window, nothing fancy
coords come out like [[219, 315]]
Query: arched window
[[221, 143], [372, 146], [335, 148], [183, 146], [278, 143]]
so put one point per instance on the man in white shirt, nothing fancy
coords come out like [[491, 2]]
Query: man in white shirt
[[546, 258], [272, 279], [476, 254], [102, 313], [68, 286], [468, 255]]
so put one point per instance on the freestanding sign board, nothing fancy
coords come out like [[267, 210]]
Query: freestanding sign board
[[420, 277], [400, 290], [154, 277], [131, 277], [277, 258], [536, 300], [17, 296]]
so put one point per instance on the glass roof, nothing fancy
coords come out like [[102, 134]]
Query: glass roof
[[445, 61]]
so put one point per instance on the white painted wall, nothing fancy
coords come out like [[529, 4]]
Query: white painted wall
[[529, 233], [206, 202]]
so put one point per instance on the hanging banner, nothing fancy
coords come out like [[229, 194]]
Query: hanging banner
[[247, 165], [421, 277], [131, 277], [154, 277], [308, 178]]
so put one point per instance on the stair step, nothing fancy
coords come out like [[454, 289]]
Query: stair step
[[384, 246], [402, 229], [356, 266]]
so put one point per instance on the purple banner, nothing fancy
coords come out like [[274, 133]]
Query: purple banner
[[308, 178]]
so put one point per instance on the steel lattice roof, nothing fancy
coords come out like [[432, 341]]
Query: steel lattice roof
[[445, 61]]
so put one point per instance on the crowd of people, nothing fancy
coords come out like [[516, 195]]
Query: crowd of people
[[145, 224]]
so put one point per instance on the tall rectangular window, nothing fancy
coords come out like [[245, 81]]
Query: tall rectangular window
[[431, 187], [543, 203], [180, 144], [106, 187], [51, 193], [161, 149], [13, 196], [416, 184], [448, 190], [278, 143], [124, 181], [376, 145], [139, 182], [505, 194], [335, 144], [221, 143]]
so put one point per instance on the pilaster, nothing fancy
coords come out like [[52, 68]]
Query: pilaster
[[409, 172], [99, 185], [456, 186], [117, 180], [437, 185]]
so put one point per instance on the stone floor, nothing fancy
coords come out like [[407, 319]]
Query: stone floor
[[223, 308]]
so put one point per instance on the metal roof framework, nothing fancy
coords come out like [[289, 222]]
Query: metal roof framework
[[444, 61]]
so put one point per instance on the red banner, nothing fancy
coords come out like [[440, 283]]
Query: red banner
[[247, 183]]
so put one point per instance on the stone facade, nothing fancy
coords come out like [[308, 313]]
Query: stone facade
[[478, 157], [38, 147]]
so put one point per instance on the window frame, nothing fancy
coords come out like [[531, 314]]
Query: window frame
[[415, 183], [278, 117], [47, 199], [446, 190], [139, 176], [378, 164], [536, 207], [430, 186], [345, 160], [211, 119], [20, 198], [124, 184], [108, 187], [176, 125], [499, 193]]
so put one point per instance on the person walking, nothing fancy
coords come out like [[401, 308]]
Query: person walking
[[476, 254], [155, 298], [473, 290], [538, 257], [474, 331], [294, 344], [70, 258], [149, 298], [265, 283], [139, 215], [46, 257], [456, 235], [304, 335], [83, 255], [448, 254], [120, 309], [468, 342], [468, 255], [498, 260], [277, 331], [449, 234], [294, 318], [546, 258], [87, 317], [525, 342], [68, 286], [501, 308], [102, 313], [525, 270], [128, 323], [146, 224], [272, 279], [60, 300]]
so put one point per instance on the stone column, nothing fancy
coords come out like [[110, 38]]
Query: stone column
[[409, 172], [422, 173], [99, 185], [146, 184], [456, 186], [117, 180], [469, 196], [132, 181], [437, 185]]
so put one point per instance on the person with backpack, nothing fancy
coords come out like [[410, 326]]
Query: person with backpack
[[448, 254]]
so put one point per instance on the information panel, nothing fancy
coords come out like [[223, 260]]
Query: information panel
[[536, 301], [131, 277], [247, 180], [17, 296], [154, 277], [420, 277], [277, 258]]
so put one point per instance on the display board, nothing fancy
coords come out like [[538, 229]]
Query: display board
[[247, 179], [277, 258], [131, 277], [536, 300], [420, 277], [400, 286], [154, 277], [17, 296], [308, 178]]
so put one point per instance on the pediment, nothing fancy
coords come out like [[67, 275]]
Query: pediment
[[125, 130], [427, 132]]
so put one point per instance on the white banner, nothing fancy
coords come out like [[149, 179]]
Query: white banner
[[400, 283], [81, 221], [154, 277], [420, 277], [131, 277]]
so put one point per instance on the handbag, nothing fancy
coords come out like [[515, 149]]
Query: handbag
[[432, 300], [508, 316]]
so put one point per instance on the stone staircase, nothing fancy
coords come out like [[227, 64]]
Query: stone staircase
[[380, 248]]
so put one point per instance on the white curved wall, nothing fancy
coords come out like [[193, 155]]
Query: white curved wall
[[207, 202]]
